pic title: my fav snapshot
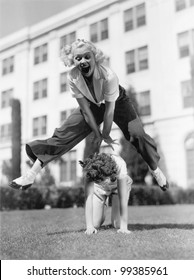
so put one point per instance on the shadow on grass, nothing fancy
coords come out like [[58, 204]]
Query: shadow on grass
[[134, 227], [159, 226]]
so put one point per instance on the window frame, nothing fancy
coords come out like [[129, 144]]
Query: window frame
[[40, 89], [136, 61], [39, 126], [41, 54], [67, 39], [135, 20], [188, 98], [6, 97], [144, 110], [99, 31], [68, 167], [8, 65], [63, 82]]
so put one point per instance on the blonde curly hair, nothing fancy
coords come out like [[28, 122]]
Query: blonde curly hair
[[67, 52]]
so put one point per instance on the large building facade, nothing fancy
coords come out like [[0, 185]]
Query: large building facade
[[150, 46]]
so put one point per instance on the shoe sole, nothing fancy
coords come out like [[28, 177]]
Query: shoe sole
[[15, 186], [165, 188]]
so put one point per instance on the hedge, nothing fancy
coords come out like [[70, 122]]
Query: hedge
[[42, 197]]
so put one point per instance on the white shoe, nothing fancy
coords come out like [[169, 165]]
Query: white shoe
[[23, 182], [160, 178]]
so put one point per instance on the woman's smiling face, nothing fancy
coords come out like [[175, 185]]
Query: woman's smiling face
[[84, 59]]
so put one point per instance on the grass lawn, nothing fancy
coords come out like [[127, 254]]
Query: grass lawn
[[157, 232]]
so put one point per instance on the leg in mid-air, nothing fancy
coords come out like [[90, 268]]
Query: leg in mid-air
[[41, 152], [128, 121]]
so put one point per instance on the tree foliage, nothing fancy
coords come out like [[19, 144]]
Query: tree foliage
[[16, 138]]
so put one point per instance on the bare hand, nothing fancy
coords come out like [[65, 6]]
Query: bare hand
[[110, 142], [126, 231], [90, 231]]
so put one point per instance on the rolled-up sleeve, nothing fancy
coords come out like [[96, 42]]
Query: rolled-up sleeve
[[111, 87], [75, 92]]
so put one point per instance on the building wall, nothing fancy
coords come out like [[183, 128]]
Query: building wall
[[169, 122]]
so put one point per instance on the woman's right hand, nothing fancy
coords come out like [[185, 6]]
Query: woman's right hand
[[97, 143]]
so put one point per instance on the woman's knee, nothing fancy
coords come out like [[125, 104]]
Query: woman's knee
[[135, 128]]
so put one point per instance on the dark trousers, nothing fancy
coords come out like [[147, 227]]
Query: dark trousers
[[75, 129]]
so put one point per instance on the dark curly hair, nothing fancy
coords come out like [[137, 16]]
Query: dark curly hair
[[98, 167]]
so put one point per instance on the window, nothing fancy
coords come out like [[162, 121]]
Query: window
[[67, 39], [186, 43], [144, 103], [94, 32], [39, 126], [7, 65], [6, 97], [136, 60], [189, 148], [134, 17], [68, 167], [140, 15], [128, 19], [187, 94], [5, 132], [183, 42], [63, 116], [63, 82], [73, 166], [180, 5], [183, 4], [40, 89], [40, 54], [104, 29], [63, 171], [130, 61], [143, 58], [99, 31]]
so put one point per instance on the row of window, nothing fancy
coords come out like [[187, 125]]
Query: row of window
[[183, 4], [40, 88], [39, 126], [133, 18], [143, 98], [136, 60]]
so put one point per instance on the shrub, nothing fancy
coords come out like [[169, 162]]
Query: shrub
[[38, 197], [70, 197], [149, 195]]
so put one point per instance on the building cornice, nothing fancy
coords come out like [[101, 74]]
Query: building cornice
[[55, 22]]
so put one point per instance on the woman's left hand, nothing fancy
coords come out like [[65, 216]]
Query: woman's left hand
[[110, 142]]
